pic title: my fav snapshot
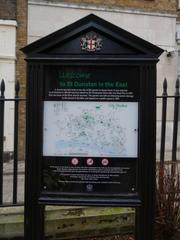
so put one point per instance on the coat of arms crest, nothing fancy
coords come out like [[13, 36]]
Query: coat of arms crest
[[91, 43]]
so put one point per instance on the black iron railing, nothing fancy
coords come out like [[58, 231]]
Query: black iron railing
[[16, 101], [176, 118]]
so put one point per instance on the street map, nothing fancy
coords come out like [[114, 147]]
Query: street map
[[96, 129]]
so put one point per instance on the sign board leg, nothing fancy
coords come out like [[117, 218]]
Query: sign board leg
[[144, 224], [34, 222]]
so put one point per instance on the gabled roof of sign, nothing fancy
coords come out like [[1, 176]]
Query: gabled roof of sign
[[60, 41]]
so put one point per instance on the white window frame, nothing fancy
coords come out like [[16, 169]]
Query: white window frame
[[178, 4]]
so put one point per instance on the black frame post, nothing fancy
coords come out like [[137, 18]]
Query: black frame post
[[2, 98], [34, 213], [145, 217]]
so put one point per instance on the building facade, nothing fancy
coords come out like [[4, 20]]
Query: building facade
[[152, 20], [8, 25], [13, 36]]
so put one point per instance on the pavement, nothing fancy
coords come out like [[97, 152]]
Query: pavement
[[8, 182]]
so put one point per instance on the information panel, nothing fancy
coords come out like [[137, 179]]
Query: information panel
[[90, 130]]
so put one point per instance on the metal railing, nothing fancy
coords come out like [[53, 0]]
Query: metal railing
[[16, 101], [176, 117]]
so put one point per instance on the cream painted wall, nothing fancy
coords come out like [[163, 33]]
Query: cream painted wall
[[157, 28], [7, 72]]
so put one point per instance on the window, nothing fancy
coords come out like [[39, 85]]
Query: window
[[178, 4]]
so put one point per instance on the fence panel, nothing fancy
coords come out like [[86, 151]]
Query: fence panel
[[175, 121], [14, 163]]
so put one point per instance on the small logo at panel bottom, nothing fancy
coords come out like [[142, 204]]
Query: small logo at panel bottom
[[89, 187]]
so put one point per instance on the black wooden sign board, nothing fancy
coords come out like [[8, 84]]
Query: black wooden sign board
[[90, 122], [88, 153]]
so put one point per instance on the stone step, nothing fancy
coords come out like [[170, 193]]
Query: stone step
[[71, 222]]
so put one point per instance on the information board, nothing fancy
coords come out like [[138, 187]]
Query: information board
[[90, 130], [91, 117]]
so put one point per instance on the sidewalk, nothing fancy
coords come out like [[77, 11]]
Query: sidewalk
[[8, 181]]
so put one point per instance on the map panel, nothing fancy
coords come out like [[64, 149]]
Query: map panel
[[92, 129]]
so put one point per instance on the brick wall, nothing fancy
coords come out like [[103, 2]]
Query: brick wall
[[8, 9], [21, 16], [151, 5]]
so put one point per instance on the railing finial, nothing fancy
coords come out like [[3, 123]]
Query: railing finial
[[2, 88], [177, 88], [165, 87], [17, 88]]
